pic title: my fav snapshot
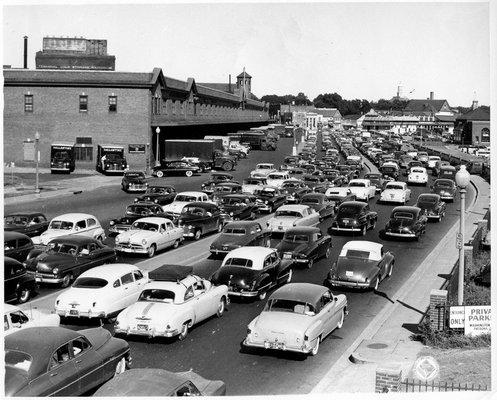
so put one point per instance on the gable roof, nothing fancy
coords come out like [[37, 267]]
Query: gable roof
[[478, 114], [247, 75], [422, 105]]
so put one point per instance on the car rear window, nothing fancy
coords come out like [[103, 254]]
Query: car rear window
[[18, 360], [357, 254], [296, 238], [90, 283], [162, 295], [61, 225], [235, 231], [239, 262], [402, 215]]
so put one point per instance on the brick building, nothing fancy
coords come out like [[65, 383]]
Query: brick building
[[473, 127]]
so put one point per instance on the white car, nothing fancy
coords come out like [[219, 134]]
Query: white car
[[171, 303], [182, 199], [250, 185], [356, 158], [102, 292], [362, 189], [148, 235], [235, 145], [396, 192], [71, 224], [262, 170], [14, 319], [276, 179], [417, 175], [412, 153], [290, 215], [432, 160]]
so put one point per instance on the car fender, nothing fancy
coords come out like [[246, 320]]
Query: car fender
[[262, 280], [34, 253], [315, 330]]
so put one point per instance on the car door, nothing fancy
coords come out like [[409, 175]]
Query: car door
[[62, 374], [203, 299], [80, 228], [24, 246], [128, 290], [163, 237], [88, 363]]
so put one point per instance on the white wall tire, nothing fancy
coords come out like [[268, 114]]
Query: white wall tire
[[289, 278], [120, 367], [262, 295], [221, 308], [189, 173], [160, 174], [340, 322], [151, 251], [184, 332], [198, 234], [315, 348]]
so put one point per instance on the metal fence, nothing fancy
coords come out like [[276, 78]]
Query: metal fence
[[415, 385]]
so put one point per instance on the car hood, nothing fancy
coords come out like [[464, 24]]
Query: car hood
[[45, 260], [127, 220], [235, 275], [361, 268], [15, 380], [175, 207], [291, 247], [229, 240], [136, 235]]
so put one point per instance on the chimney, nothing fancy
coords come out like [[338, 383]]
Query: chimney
[[474, 106], [25, 52], [432, 96], [229, 84]]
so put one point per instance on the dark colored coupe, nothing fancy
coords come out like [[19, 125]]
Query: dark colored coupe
[[320, 203], [29, 223], [140, 382], [16, 245], [239, 206], [222, 189], [314, 180], [134, 181], [269, 198], [175, 168], [200, 218], [333, 176], [132, 213], [216, 177], [445, 188], [67, 257], [304, 245], [238, 234], [18, 285], [431, 205], [377, 180], [354, 216], [54, 361], [161, 195], [294, 189], [406, 222]]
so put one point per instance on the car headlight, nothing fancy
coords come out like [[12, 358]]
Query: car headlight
[[190, 226], [231, 213], [55, 271], [266, 202], [135, 199], [144, 241], [156, 201], [111, 223], [118, 239]]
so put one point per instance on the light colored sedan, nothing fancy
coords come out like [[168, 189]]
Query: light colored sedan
[[362, 188], [277, 179], [14, 319], [395, 192], [297, 317], [418, 175], [262, 170], [290, 215]]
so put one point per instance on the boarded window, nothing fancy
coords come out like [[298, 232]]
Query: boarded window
[[83, 153], [28, 103], [112, 103]]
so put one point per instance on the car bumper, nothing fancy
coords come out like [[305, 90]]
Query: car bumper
[[136, 189], [278, 228], [60, 169], [39, 278], [437, 216], [76, 313], [384, 200], [446, 197], [305, 348], [243, 293], [126, 249], [346, 229], [399, 234], [149, 332], [263, 207], [349, 284]]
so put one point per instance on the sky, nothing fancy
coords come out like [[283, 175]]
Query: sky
[[359, 50]]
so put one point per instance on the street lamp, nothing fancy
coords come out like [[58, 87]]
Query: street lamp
[[37, 159], [157, 162], [462, 180]]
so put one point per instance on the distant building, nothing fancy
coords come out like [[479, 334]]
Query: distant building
[[473, 127], [74, 53], [434, 115], [242, 88], [329, 116], [401, 124]]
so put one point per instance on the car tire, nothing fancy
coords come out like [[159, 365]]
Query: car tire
[[221, 307], [268, 242], [184, 332], [342, 317], [100, 238], [227, 166], [364, 230], [310, 263], [189, 174], [374, 224], [262, 295], [289, 278], [328, 252], [151, 251], [120, 367], [66, 280], [271, 209], [252, 216], [176, 244], [219, 227], [198, 234], [315, 349], [376, 284], [160, 174], [390, 270], [24, 295]]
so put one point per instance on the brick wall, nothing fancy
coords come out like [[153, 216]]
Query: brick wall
[[388, 378], [438, 299], [56, 117]]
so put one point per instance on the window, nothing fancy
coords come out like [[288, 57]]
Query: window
[[83, 153], [5, 323], [112, 103], [189, 293], [84, 140], [81, 224], [28, 103], [80, 345], [91, 222], [485, 135], [128, 278], [116, 283], [138, 275], [83, 103], [18, 318], [60, 356], [187, 389], [24, 242]]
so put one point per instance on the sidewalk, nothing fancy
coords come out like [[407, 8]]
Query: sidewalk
[[387, 339]]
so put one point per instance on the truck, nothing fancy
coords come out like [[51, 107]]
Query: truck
[[62, 158], [110, 159], [207, 151], [256, 140]]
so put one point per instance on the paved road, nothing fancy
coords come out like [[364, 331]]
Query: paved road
[[213, 348]]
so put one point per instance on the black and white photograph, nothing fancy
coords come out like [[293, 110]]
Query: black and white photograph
[[248, 198]]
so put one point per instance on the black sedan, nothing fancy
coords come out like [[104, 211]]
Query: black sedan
[[216, 177], [175, 168], [354, 216], [161, 195], [432, 206], [222, 189], [200, 218], [445, 188], [314, 180], [238, 234], [377, 180], [320, 203], [67, 257], [294, 189], [18, 284], [239, 206], [54, 361], [132, 213], [17, 245], [405, 222], [333, 176], [269, 198], [29, 223], [304, 245], [134, 181]]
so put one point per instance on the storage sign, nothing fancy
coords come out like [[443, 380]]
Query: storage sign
[[477, 320], [456, 317]]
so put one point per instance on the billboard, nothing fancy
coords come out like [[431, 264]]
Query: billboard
[[64, 44]]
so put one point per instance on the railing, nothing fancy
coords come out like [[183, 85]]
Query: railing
[[414, 385]]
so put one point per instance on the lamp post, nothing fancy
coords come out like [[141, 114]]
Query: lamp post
[[462, 181], [37, 159], [157, 162]]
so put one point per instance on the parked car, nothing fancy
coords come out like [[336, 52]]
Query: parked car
[[239, 234], [239, 206], [361, 264], [262, 170], [67, 257], [390, 169], [17, 245], [55, 361], [432, 205], [277, 179], [338, 195], [417, 175], [171, 303], [18, 285], [102, 292], [177, 167], [174, 209], [445, 188], [14, 319], [252, 271], [304, 245], [161, 195], [406, 222], [297, 317], [149, 235], [354, 216], [133, 212], [71, 224], [215, 178], [290, 215], [27, 223], [447, 172], [223, 189], [269, 199], [134, 181], [432, 160], [250, 185], [200, 218], [395, 192], [160, 383], [294, 189], [362, 188], [320, 203]]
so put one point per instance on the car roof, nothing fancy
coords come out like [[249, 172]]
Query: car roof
[[301, 291], [191, 194], [365, 181], [448, 167], [73, 217], [228, 183], [73, 239], [411, 209], [109, 271], [432, 195], [293, 207], [255, 253], [178, 288], [242, 224], [11, 235], [302, 230], [364, 245], [396, 183], [358, 204], [154, 220], [201, 204]]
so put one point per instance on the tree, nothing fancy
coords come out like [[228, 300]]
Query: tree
[[302, 100]]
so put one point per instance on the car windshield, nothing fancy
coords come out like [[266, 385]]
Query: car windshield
[[238, 262], [251, 182], [138, 209], [62, 248], [296, 238], [288, 213], [402, 215], [61, 155], [61, 225], [18, 360], [388, 169], [158, 295], [134, 174], [264, 166], [234, 231], [427, 201], [310, 200], [266, 192], [220, 189], [293, 306], [418, 171], [159, 190], [89, 283], [277, 176], [145, 226], [443, 184], [16, 220], [357, 184], [394, 186], [186, 198], [113, 157], [362, 254], [348, 211], [233, 202], [192, 211]]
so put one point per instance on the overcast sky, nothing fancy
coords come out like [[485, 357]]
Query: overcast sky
[[359, 50]]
